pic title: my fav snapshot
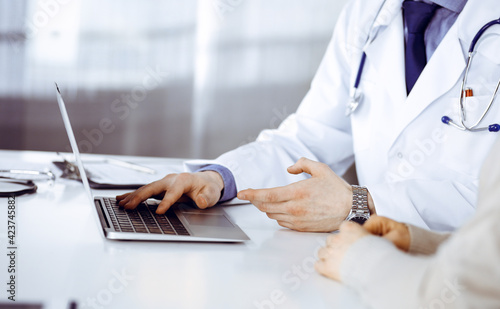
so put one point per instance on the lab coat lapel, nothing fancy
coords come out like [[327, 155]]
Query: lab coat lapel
[[440, 74], [386, 55]]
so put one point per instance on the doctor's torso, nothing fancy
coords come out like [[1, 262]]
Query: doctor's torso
[[397, 137], [417, 169]]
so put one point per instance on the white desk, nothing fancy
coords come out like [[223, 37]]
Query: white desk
[[63, 256]]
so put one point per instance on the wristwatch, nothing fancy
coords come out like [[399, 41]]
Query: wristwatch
[[359, 211]]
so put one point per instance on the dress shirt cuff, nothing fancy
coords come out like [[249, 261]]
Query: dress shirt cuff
[[423, 241], [229, 191]]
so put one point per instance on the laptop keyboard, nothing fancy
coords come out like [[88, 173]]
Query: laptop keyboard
[[143, 219]]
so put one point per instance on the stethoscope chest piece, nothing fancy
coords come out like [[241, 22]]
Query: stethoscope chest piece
[[352, 105]]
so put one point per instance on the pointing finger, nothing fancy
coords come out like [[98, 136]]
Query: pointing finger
[[274, 195]]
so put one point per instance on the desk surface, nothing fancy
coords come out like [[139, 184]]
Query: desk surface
[[63, 256]]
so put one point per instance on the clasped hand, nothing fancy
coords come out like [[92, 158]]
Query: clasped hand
[[331, 256]]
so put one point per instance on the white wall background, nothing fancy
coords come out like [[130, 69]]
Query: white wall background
[[178, 78]]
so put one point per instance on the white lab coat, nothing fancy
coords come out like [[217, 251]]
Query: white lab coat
[[417, 169]]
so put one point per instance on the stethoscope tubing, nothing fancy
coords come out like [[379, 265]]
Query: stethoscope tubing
[[480, 33], [463, 117]]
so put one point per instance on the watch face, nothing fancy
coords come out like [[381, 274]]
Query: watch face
[[359, 220]]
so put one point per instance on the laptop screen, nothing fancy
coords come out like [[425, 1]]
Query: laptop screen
[[74, 145]]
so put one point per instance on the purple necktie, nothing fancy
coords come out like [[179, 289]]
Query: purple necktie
[[417, 16]]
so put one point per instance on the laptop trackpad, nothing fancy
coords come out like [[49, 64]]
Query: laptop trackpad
[[207, 220]]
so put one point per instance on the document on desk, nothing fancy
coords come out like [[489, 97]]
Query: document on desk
[[106, 175]]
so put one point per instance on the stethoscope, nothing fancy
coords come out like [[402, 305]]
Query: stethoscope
[[356, 96], [465, 92], [15, 182]]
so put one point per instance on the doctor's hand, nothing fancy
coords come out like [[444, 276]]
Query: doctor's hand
[[204, 188], [317, 204]]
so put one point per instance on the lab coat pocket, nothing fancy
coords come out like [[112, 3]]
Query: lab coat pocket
[[477, 109], [464, 150], [474, 108]]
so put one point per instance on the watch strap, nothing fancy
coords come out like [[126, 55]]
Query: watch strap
[[360, 201]]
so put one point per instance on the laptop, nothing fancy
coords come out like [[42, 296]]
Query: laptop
[[182, 222]]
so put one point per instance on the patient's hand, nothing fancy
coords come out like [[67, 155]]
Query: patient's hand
[[204, 188], [392, 230], [331, 256]]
